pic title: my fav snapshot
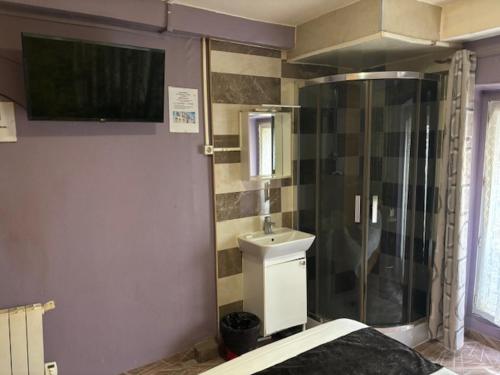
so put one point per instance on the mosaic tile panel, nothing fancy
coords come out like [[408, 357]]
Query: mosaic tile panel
[[243, 77]]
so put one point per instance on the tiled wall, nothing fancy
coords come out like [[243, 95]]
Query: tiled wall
[[242, 78]]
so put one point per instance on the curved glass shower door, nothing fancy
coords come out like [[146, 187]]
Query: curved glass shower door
[[366, 189], [340, 181], [392, 146]]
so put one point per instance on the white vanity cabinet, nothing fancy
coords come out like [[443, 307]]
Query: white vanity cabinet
[[275, 290]]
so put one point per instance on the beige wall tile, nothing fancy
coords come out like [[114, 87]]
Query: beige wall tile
[[226, 117], [229, 289], [290, 90], [228, 231], [237, 63], [227, 179]]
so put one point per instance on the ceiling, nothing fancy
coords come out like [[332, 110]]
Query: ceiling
[[378, 49], [284, 12]]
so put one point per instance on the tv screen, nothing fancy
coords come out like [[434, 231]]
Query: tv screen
[[72, 80]]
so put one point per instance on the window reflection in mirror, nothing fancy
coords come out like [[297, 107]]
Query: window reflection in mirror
[[266, 144], [261, 131]]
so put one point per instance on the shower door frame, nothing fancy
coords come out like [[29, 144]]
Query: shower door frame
[[368, 78]]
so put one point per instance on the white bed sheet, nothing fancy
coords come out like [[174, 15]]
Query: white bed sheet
[[279, 351]]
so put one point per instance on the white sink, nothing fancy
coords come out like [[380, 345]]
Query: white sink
[[283, 241]]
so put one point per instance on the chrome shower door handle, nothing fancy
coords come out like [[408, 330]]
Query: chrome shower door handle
[[374, 208], [357, 209]]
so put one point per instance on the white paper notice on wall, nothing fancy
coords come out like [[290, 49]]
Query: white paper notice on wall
[[7, 122], [183, 110]]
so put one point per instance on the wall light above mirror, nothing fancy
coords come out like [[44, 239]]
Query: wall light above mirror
[[266, 144]]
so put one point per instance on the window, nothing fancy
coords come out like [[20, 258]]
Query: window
[[266, 155], [487, 286]]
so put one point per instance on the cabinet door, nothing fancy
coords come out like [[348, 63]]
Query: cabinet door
[[285, 301]]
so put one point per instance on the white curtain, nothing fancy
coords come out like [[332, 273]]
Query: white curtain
[[447, 313], [487, 286]]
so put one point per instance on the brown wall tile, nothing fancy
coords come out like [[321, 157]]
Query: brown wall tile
[[243, 89], [275, 200], [221, 157], [229, 262], [305, 71], [227, 140], [227, 206], [286, 181], [247, 203]]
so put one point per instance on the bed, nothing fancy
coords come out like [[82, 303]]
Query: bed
[[342, 346]]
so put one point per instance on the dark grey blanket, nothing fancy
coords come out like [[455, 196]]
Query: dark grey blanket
[[363, 352]]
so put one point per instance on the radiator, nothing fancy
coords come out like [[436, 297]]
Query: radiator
[[21, 339]]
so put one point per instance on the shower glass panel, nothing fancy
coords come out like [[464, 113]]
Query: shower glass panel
[[392, 141], [305, 175], [425, 200], [367, 154], [340, 180]]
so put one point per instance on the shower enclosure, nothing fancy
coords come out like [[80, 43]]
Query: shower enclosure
[[366, 188]]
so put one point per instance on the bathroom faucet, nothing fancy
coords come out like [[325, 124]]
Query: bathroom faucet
[[268, 225]]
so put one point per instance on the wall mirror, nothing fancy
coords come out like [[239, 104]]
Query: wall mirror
[[266, 145]]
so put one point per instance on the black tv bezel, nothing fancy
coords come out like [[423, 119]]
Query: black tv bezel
[[87, 119]]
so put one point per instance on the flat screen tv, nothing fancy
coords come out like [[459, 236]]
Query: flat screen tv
[[73, 80]]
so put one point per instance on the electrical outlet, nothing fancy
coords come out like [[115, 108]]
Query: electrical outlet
[[51, 368]]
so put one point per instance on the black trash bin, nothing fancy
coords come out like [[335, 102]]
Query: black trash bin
[[239, 331]]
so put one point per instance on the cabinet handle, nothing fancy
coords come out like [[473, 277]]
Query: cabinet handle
[[302, 262]]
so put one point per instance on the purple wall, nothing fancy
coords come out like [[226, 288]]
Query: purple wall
[[148, 13], [151, 15], [216, 25], [488, 53], [112, 221]]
